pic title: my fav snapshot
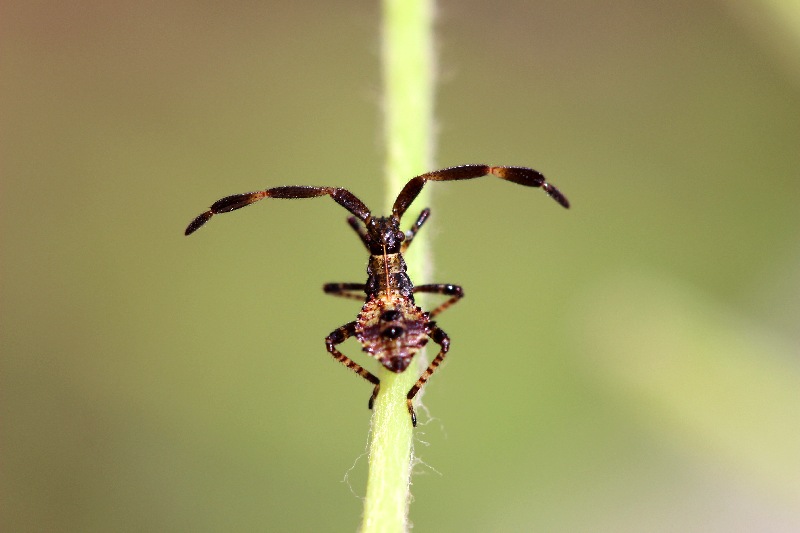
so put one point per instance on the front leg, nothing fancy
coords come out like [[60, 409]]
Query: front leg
[[359, 228], [412, 232], [439, 337], [339, 336]]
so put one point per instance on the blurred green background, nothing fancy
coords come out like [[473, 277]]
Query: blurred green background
[[628, 365]]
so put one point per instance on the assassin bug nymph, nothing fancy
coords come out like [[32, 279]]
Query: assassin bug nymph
[[390, 327]]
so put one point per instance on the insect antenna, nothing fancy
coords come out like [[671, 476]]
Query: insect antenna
[[342, 197]]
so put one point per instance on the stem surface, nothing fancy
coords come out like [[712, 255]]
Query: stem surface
[[407, 58]]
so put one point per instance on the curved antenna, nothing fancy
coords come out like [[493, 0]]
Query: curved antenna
[[342, 197], [521, 175]]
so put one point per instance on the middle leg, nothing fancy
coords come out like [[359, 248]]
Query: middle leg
[[356, 291], [454, 291]]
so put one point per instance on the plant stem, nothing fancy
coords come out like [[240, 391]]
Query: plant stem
[[408, 108]]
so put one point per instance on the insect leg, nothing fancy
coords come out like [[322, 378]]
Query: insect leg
[[454, 291], [342, 197], [520, 175], [359, 229], [423, 216], [339, 336], [439, 337], [356, 291]]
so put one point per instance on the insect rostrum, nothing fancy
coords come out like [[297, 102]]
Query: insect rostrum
[[390, 327]]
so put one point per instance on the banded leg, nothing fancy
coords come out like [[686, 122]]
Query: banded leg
[[439, 337], [339, 336], [520, 175], [356, 291], [342, 197], [423, 216], [454, 291]]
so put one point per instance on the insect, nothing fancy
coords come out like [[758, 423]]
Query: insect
[[390, 327]]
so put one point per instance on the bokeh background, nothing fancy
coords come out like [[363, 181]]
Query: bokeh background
[[628, 365]]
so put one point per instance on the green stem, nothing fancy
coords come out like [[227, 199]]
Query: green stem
[[408, 107]]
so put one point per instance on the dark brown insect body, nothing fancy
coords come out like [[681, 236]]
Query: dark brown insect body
[[390, 327]]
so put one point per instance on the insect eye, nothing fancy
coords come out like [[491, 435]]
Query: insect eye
[[400, 236], [392, 332]]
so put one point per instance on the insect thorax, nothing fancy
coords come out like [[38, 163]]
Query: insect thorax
[[387, 274]]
